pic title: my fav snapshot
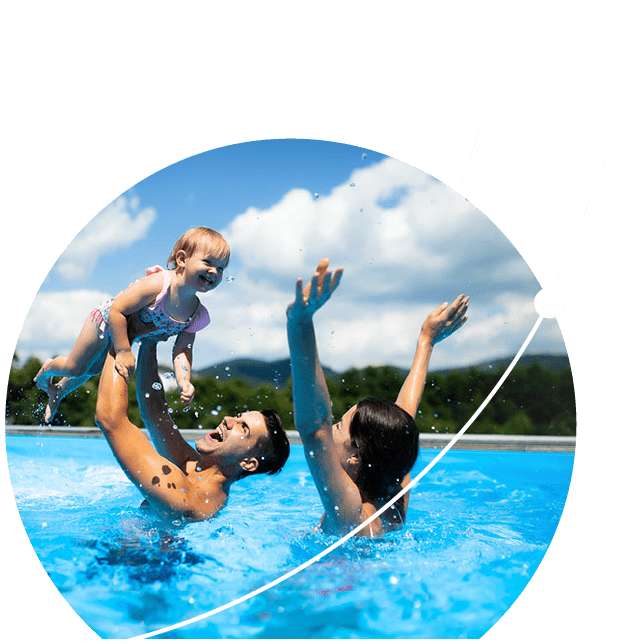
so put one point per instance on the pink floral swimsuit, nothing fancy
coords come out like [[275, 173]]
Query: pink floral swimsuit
[[155, 313]]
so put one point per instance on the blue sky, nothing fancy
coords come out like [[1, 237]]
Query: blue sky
[[407, 243]]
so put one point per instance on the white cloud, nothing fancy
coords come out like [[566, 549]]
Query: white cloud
[[116, 226], [399, 232], [407, 242], [55, 320]]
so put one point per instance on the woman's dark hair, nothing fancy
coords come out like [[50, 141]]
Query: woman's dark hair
[[387, 439], [275, 447]]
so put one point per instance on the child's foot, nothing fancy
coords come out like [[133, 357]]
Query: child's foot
[[42, 381], [53, 392]]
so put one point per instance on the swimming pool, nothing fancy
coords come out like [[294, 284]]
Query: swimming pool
[[479, 524]]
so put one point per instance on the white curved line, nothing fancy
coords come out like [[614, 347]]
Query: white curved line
[[353, 532], [492, 87], [606, 144], [486, 401]]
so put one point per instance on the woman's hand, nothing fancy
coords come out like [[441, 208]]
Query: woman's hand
[[315, 294], [445, 319]]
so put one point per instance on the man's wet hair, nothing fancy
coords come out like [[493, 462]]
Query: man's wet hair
[[275, 448]]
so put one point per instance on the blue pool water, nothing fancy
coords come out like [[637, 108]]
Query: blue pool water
[[479, 524]]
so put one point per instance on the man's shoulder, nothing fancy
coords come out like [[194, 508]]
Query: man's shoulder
[[207, 489]]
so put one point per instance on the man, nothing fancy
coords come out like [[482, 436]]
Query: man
[[177, 480]]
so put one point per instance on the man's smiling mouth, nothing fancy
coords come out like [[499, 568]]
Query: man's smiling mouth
[[217, 435]]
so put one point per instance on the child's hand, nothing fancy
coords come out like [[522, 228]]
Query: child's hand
[[125, 364], [187, 392]]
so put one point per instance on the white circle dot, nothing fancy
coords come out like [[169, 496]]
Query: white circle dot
[[549, 302]]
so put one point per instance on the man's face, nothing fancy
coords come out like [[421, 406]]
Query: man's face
[[235, 438]]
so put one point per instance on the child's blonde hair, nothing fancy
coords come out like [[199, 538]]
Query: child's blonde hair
[[190, 240]]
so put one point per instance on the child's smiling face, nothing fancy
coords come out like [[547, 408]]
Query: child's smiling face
[[203, 269]]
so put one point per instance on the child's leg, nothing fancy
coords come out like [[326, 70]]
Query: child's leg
[[56, 391], [90, 344], [85, 360]]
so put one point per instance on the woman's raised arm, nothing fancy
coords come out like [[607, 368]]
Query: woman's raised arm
[[438, 325], [312, 407]]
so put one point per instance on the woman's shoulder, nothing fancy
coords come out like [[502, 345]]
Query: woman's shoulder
[[391, 519]]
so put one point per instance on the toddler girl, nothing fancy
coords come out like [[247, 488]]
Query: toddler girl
[[165, 298]]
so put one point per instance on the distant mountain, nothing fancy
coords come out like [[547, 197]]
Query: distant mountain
[[553, 362], [255, 372], [277, 372]]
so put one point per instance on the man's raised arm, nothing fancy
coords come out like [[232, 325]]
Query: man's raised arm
[[153, 408], [167, 488]]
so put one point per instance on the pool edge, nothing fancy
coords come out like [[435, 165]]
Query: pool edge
[[500, 442]]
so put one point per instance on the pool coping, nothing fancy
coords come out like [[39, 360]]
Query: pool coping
[[499, 442]]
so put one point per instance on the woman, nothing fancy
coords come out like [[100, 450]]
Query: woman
[[361, 462]]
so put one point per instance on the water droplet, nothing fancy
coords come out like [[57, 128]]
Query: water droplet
[[230, 278], [316, 195], [352, 185], [157, 385], [364, 156]]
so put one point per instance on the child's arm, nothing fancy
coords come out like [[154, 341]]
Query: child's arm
[[182, 356], [137, 295]]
